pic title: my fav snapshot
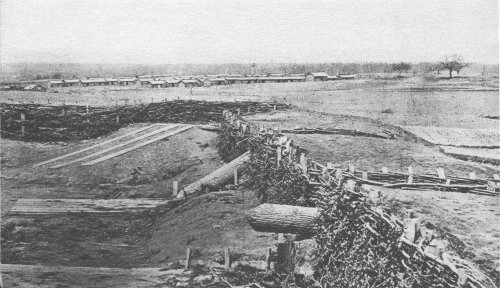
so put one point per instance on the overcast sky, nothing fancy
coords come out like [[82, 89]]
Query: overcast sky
[[222, 31]]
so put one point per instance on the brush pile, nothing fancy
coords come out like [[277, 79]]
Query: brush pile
[[44, 123]]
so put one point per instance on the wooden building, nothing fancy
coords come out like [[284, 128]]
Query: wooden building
[[214, 81], [188, 83], [126, 81], [111, 81], [94, 82], [156, 84], [316, 76], [172, 82], [332, 78], [56, 83], [71, 82]]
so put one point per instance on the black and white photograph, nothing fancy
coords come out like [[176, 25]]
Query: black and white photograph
[[249, 144]]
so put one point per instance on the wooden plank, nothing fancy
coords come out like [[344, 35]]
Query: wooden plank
[[124, 151], [116, 146], [56, 206], [94, 146], [15, 275]]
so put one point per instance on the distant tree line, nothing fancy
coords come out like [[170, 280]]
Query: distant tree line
[[39, 71]]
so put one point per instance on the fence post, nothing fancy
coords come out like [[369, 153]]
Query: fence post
[[23, 118], [285, 255], [410, 174], [236, 176], [188, 258], [175, 188], [278, 156], [303, 162], [440, 172], [87, 108], [117, 117], [227, 258], [268, 258]]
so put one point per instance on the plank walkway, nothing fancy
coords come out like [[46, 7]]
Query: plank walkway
[[121, 152], [131, 141], [31, 276], [95, 146], [456, 136], [100, 206]]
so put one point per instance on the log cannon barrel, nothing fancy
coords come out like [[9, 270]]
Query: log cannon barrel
[[277, 218]]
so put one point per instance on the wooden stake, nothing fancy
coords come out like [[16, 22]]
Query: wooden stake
[[284, 256], [365, 175], [351, 168], [239, 111], [23, 118], [268, 258], [188, 258], [338, 174], [410, 175], [227, 258], [117, 118], [303, 162], [291, 154], [410, 170], [491, 186], [281, 238], [236, 176], [87, 108], [278, 156], [175, 188], [440, 172]]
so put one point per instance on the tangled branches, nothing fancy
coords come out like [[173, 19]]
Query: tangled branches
[[274, 183], [356, 249]]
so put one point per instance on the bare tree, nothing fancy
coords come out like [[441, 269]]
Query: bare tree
[[452, 63]]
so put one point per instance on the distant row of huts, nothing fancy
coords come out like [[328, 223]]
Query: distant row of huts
[[165, 81]]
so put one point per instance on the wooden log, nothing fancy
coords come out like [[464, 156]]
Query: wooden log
[[217, 178], [277, 218]]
